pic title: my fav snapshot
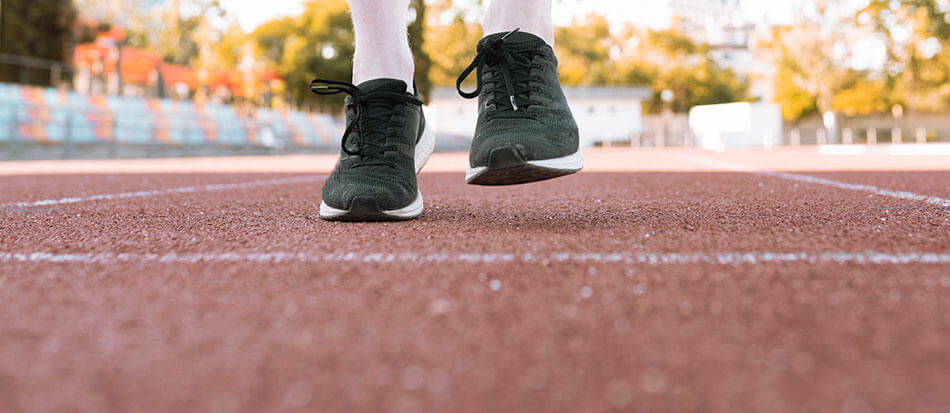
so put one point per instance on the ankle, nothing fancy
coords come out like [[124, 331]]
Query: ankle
[[529, 16], [378, 61]]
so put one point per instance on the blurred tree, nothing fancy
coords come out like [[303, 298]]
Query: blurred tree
[[417, 41], [917, 35], [450, 42], [275, 37], [583, 51], [675, 45], [631, 63], [590, 54], [703, 84], [35, 28], [862, 97], [319, 43], [227, 50], [812, 58], [174, 34], [796, 103]]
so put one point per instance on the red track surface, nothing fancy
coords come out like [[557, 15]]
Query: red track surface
[[605, 301]]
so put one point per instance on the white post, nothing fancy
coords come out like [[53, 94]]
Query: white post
[[822, 136], [897, 135], [847, 136], [921, 134], [872, 136], [795, 139]]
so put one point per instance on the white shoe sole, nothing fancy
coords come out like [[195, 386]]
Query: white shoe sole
[[411, 211], [424, 147], [526, 171]]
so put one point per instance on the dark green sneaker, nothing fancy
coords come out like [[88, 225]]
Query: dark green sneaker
[[385, 145], [525, 130]]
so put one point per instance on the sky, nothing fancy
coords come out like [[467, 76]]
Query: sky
[[251, 13]]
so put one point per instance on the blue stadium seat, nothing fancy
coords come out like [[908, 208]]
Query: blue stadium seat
[[46, 115]]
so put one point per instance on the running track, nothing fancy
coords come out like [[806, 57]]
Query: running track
[[671, 280]]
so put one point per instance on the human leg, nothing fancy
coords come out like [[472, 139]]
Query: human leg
[[382, 44], [530, 16], [386, 141], [525, 131]]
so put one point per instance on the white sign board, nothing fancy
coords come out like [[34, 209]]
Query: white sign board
[[737, 125]]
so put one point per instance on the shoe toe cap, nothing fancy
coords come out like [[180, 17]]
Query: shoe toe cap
[[365, 192], [531, 141]]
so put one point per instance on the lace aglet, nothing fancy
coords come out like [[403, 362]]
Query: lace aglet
[[319, 87], [514, 105], [510, 33]]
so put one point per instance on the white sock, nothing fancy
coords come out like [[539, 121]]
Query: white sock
[[382, 43], [530, 16]]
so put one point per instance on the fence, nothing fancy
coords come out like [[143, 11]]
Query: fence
[[664, 131], [916, 128], [913, 128], [31, 70]]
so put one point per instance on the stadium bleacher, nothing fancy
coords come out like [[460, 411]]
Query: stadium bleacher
[[50, 117]]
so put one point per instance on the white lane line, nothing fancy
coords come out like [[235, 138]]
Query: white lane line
[[906, 195], [910, 196], [723, 258], [906, 149], [159, 192]]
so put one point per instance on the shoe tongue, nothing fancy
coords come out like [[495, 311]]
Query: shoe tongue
[[518, 40], [382, 85]]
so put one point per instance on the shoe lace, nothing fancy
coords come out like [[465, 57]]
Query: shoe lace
[[515, 67], [371, 122]]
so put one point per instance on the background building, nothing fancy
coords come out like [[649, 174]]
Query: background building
[[733, 35], [603, 115]]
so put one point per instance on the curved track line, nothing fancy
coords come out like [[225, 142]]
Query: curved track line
[[910, 196], [158, 192], [906, 195], [722, 258]]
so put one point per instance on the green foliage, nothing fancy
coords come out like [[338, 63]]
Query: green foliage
[[916, 74], [795, 102], [317, 43], [673, 43], [35, 28], [417, 40], [179, 46], [173, 35], [451, 48], [864, 97], [227, 50], [917, 34], [583, 51], [702, 84], [273, 37], [663, 60], [810, 71]]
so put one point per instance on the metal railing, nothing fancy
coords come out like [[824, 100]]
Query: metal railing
[[25, 64]]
